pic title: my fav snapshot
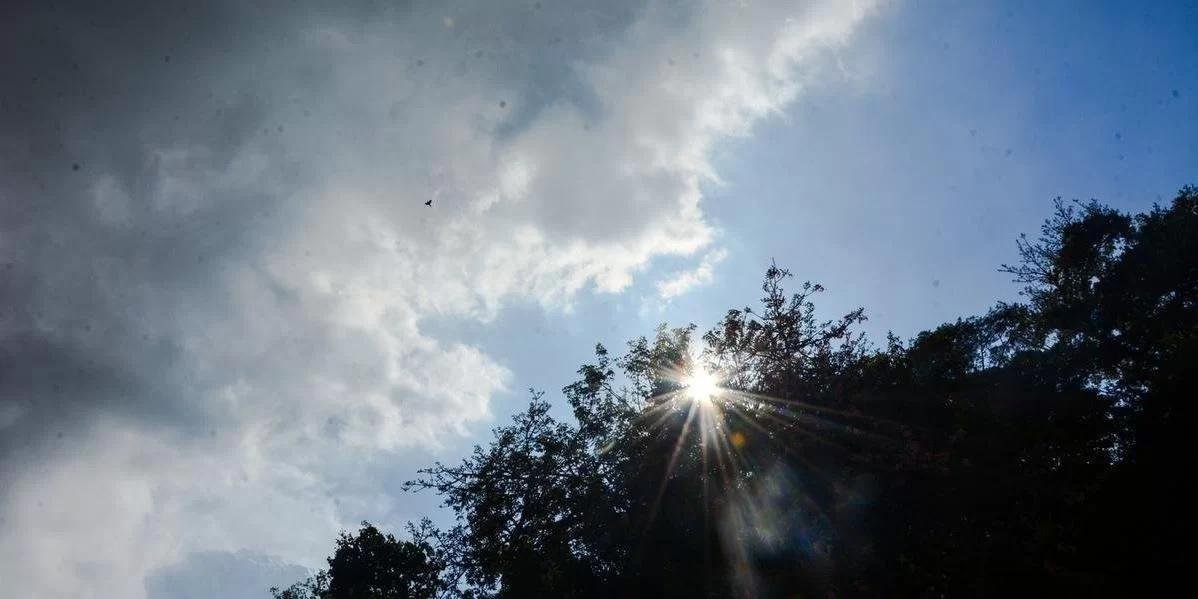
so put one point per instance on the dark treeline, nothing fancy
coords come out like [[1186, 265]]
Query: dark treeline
[[1043, 447]]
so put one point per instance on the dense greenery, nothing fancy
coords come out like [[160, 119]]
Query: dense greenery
[[1041, 446]]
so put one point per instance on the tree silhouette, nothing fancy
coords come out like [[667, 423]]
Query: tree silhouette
[[1042, 446], [372, 565]]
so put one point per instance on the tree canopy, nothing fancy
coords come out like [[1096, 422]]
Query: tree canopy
[[1042, 445]]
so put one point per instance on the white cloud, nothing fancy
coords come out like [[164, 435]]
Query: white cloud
[[228, 315], [686, 280]]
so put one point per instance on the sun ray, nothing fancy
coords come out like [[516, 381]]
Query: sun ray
[[678, 445]]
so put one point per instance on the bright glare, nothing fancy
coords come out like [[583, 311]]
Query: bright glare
[[701, 385]]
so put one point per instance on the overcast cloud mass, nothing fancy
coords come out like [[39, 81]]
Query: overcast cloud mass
[[216, 257]]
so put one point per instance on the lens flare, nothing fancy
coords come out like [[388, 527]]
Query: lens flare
[[701, 386], [723, 433]]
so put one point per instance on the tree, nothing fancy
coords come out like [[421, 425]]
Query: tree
[[1042, 445], [372, 565], [1114, 296]]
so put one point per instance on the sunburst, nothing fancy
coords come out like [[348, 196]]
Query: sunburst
[[701, 385]]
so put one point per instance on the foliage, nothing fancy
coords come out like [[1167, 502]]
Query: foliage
[[1040, 446], [373, 565]]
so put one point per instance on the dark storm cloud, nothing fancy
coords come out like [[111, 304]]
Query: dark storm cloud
[[93, 92], [90, 288]]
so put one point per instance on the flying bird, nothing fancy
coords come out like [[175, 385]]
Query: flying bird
[[429, 203]]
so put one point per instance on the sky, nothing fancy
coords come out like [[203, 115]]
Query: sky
[[230, 327]]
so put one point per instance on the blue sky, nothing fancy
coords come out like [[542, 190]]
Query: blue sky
[[902, 186], [233, 328]]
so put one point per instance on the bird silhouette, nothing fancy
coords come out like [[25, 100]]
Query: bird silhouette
[[429, 203]]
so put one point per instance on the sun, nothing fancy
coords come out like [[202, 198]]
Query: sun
[[701, 385]]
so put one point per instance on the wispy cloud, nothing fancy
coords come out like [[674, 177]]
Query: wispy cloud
[[686, 280]]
